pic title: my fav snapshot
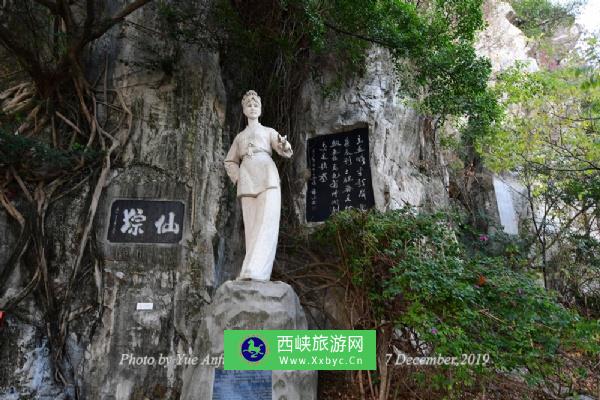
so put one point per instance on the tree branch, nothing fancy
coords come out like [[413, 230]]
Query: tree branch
[[23, 54], [90, 16], [115, 19], [64, 10], [50, 5], [358, 35]]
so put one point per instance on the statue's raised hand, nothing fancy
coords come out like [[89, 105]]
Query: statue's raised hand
[[284, 144]]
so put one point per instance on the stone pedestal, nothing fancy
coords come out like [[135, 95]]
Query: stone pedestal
[[248, 305]]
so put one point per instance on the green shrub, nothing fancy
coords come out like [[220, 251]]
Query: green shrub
[[417, 275]]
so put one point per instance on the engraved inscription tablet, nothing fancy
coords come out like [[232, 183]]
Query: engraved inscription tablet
[[340, 174], [146, 221], [242, 385]]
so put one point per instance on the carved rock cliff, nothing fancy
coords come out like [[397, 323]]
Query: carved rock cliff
[[176, 152]]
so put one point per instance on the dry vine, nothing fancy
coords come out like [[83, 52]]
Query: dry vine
[[318, 275]]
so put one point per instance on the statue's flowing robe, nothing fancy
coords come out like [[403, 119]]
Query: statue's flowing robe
[[249, 165]]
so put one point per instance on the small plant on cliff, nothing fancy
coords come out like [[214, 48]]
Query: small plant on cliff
[[544, 17]]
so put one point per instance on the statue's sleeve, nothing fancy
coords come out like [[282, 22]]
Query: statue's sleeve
[[284, 148], [232, 162]]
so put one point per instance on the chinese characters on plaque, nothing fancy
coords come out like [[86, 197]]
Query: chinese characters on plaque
[[146, 221], [340, 174]]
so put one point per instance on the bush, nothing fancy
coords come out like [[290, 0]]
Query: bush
[[418, 277]]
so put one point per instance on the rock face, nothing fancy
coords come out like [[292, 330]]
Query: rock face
[[406, 165], [505, 45], [249, 305], [502, 42], [175, 152], [512, 205]]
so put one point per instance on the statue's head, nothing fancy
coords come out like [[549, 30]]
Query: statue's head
[[251, 105]]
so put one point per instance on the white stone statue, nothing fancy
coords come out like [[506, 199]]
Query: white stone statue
[[249, 165]]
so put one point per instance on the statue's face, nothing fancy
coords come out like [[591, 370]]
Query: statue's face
[[252, 109]]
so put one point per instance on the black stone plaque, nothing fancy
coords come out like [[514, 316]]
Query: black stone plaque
[[146, 221], [340, 174], [242, 385]]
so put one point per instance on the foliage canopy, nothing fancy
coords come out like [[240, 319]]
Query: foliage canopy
[[276, 45], [550, 139]]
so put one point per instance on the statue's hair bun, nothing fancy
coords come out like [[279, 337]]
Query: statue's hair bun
[[250, 95]]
